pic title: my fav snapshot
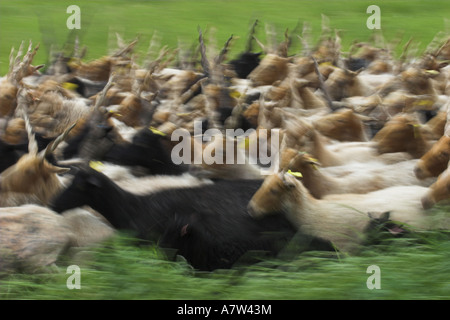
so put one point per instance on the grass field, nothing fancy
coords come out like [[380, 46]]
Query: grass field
[[417, 267], [413, 267], [177, 20]]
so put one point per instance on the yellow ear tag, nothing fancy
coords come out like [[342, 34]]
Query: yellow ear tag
[[156, 131], [97, 165], [416, 130], [326, 64], [312, 164], [433, 72], [69, 86], [424, 103], [115, 113], [295, 174], [73, 61], [235, 94]]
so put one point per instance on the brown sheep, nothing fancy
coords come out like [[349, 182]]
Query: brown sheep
[[435, 161], [33, 174], [403, 133], [321, 183], [340, 219]]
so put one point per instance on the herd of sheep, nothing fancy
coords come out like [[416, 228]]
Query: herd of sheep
[[87, 148]]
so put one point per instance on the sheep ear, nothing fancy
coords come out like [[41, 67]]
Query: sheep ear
[[295, 174], [382, 217], [385, 216], [443, 64], [314, 162], [59, 170], [36, 68], [430, 73]]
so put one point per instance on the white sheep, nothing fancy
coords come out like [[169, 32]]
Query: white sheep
[[34, 237], [341, 219]]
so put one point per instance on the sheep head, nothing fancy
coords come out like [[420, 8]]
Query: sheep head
[[417, 81], [403, 133], [438, 191], [343, 125], [435, 161], [271, 69], [33, 174]]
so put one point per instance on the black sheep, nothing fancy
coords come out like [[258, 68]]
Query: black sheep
[[147, 150], [87, 88], [208, 225]]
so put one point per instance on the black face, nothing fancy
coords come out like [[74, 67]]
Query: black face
[[83, 187], [143, 150], [354, 64], [428, 114], [245, 64], [146, 150], [73, 144], [381, 230], [145, 137], [87, 88], [98, 139]]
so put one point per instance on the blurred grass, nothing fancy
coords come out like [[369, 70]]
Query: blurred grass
[[413, 267], [177, 20]]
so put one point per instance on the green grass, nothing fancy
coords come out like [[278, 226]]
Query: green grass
[[177, 20], [415, 266]]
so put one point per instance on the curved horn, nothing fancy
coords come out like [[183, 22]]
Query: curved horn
[[54, 144], [32, 144], [322, 84], [263, 47], [204, 61], [20, 68], [249, 47], [101, 98]]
